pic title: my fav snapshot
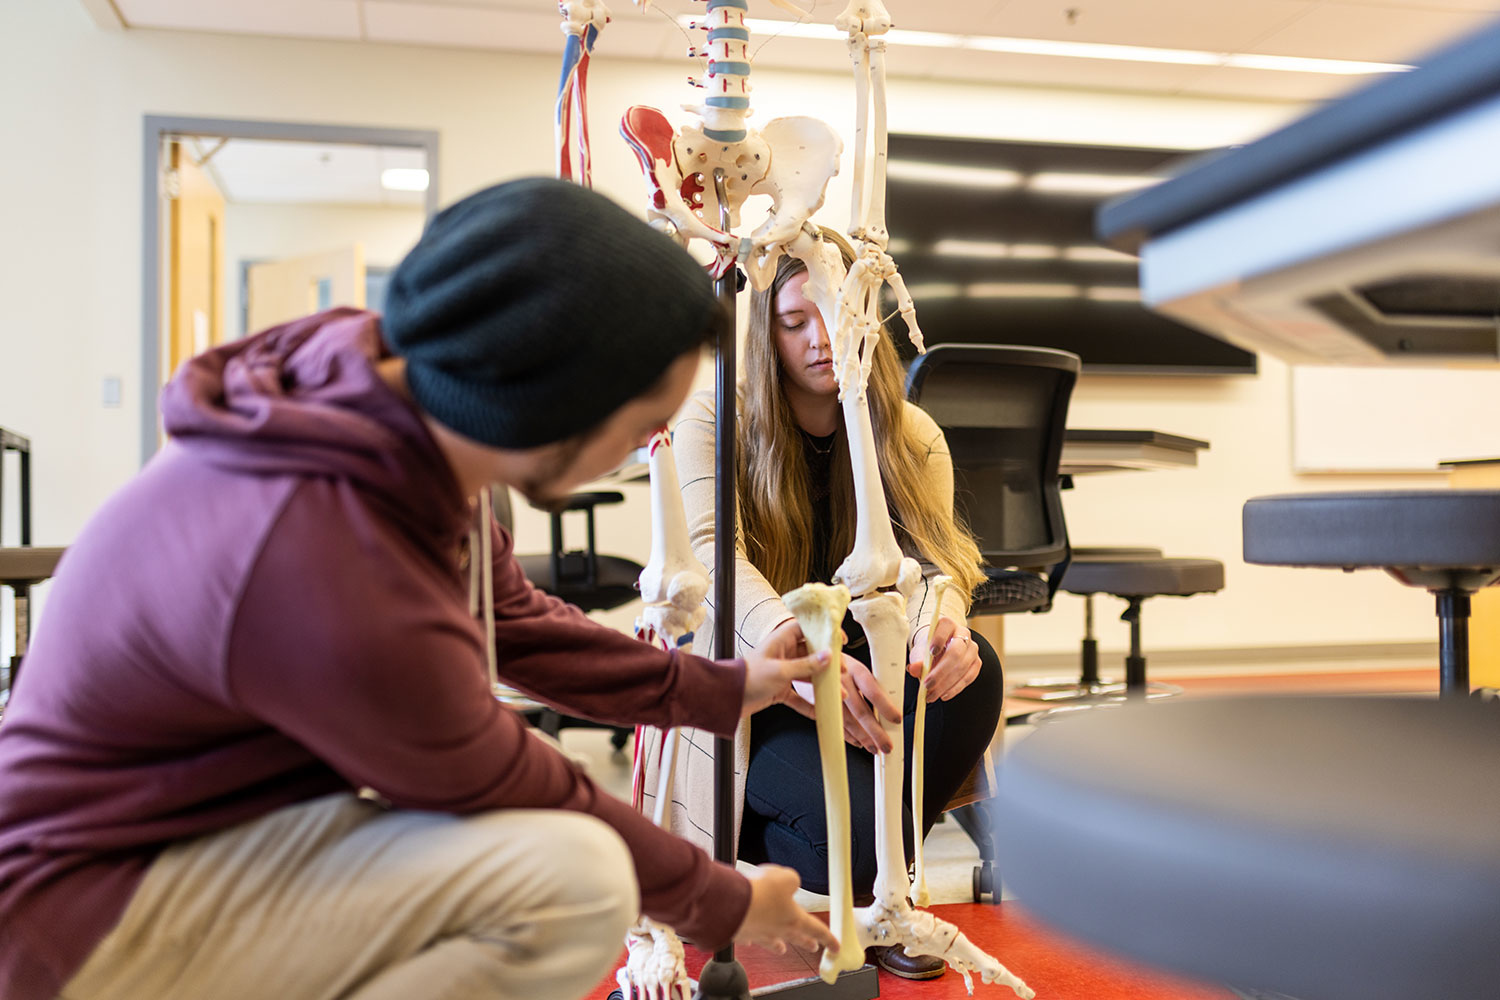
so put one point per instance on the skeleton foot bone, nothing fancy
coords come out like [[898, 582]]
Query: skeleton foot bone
[[655, 967], [921, 933]]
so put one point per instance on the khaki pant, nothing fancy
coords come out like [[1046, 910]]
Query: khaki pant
[[338, 898]]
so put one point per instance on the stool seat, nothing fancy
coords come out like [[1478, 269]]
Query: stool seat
[[614, 585], [1437, 529], [1446, 541], [1326, 848], [1144, 577]]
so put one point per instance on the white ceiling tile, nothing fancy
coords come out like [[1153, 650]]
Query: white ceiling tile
[[294, 18], [1215, 25], [1380, 34], [961, 18], [1097, 74], [467, 27]]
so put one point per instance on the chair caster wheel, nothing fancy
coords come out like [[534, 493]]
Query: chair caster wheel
[[984, 883]]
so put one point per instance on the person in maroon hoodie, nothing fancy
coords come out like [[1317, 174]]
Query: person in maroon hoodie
[[254, 752]]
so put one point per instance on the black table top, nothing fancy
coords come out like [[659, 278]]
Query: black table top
[[1448, 80], [1159, 438]]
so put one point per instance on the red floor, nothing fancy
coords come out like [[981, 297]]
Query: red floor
[[1055, 967]]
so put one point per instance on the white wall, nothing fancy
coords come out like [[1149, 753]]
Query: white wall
[[254, 233], [69, 309]]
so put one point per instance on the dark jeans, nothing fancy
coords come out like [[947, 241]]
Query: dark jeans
[[784, 821]]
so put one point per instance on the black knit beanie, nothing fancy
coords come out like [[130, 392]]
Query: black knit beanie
[[532, 310]]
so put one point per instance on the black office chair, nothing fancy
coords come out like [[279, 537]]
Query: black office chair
[[1004, 411], [581, 577]]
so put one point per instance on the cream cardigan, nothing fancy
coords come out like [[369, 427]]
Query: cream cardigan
[[759, 610]]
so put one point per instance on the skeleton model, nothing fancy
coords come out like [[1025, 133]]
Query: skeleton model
[[673, 585], [791, 160]]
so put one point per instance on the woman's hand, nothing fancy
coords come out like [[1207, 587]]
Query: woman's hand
[[774, 919], [771, 667], [863, 699], [955, 659]]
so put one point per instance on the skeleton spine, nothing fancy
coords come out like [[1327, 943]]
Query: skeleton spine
[[728, 100]]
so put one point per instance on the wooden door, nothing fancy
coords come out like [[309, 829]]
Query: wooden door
[[195, 249], [282, 290]]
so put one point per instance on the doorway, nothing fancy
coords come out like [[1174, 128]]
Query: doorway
[[249, 224]]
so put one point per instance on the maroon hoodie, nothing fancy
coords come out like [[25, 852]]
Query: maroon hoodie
[[274, 610]]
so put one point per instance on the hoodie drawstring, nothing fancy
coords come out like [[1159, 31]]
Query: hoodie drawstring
[[486, 594]]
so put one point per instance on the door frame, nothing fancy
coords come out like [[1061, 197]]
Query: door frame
[[155, 129]]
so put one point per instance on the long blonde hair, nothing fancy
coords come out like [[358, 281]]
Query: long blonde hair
[[772, 476]]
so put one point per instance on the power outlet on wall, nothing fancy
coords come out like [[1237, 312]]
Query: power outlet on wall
[[111, 391]]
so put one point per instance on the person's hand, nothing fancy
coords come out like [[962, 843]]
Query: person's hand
[[771, 667], [774, 919], [955, 659], [863, 699]]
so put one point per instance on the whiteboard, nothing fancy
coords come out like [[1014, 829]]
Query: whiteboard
[[1392, 419]]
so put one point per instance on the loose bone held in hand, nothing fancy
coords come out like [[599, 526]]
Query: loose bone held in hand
[[820, 611]]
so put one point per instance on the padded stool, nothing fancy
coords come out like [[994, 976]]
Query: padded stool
[[1328, 848], [1134, 580], [1447, 541]]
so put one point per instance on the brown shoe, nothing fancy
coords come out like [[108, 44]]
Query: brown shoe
[[894, 959]]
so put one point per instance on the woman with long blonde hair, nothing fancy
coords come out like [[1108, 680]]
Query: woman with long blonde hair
[[795, 491]]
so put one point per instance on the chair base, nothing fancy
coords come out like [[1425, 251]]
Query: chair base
[[1051, 689]]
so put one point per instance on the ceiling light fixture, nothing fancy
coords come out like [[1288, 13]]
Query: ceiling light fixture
[[404, 179], [1078, 50]]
